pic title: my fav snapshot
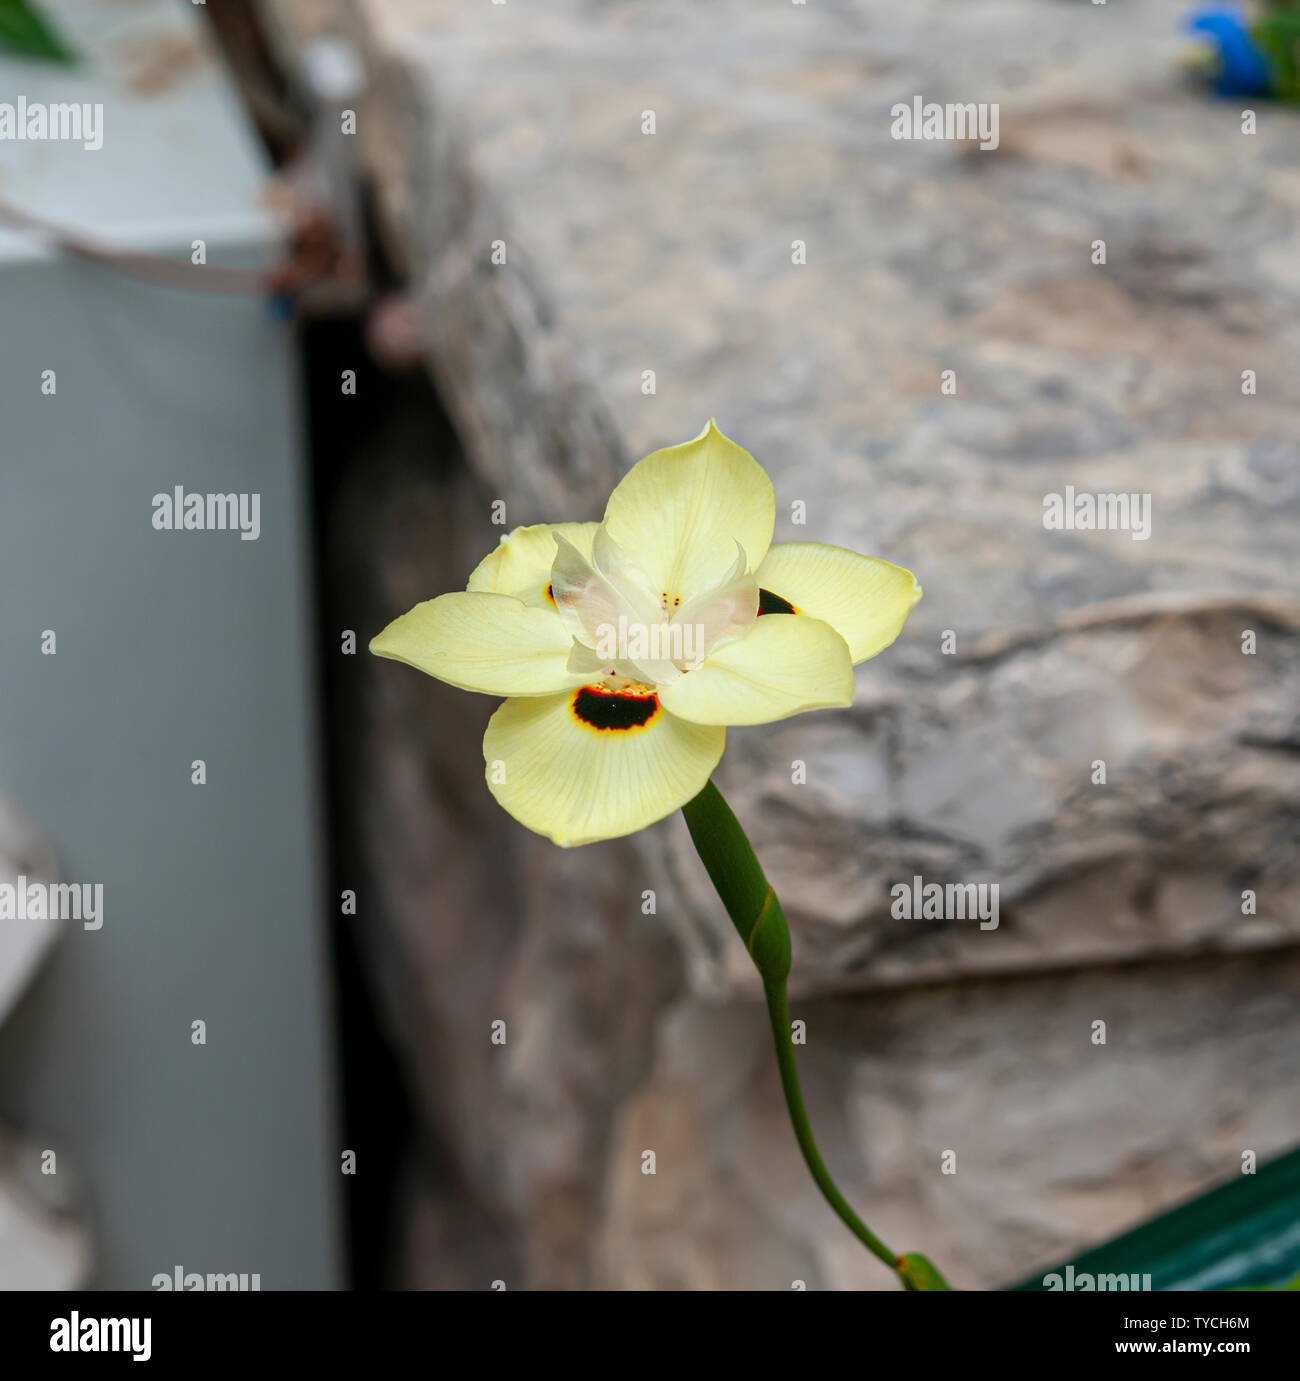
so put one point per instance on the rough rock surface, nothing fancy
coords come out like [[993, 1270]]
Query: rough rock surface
[[966, 759]]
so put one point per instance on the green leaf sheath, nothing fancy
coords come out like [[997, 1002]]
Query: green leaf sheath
[[735, 872], [919, 1273], [734, 869]]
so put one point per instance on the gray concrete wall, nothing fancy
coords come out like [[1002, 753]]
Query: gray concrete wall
[[171, 647]]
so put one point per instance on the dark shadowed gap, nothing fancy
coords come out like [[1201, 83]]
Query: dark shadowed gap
[[344, 435], [375, 1105]]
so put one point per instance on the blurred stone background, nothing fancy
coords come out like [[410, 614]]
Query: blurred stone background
[[1121, 902]]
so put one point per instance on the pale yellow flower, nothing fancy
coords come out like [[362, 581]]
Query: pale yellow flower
[[625, 647]]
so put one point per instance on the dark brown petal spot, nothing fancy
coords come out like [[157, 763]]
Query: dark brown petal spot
[[603, 709], [550, 596], [768, 603]]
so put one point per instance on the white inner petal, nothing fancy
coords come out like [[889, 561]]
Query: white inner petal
[[624, 631]]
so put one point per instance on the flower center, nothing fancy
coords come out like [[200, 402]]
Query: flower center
[[626, 632]]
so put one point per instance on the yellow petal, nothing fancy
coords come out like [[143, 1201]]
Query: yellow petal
[[560, 775], [481, 642], [864, 599], [784, 665], [679, 513], [520, 565]]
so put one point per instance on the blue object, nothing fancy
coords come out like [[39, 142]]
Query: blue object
[[1241, 69]]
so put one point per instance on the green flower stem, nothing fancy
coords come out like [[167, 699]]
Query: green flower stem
[[735, 872]]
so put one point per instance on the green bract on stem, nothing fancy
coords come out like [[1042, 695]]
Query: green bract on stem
[[736, 873]]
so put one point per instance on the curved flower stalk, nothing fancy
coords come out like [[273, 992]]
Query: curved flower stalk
[[623, 650]]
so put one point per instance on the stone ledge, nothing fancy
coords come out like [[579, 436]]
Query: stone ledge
[[672, 252]]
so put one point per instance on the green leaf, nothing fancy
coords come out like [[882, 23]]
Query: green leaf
[[1292, 1284], [1241, 1233], [23, 31], [1277, 33]]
